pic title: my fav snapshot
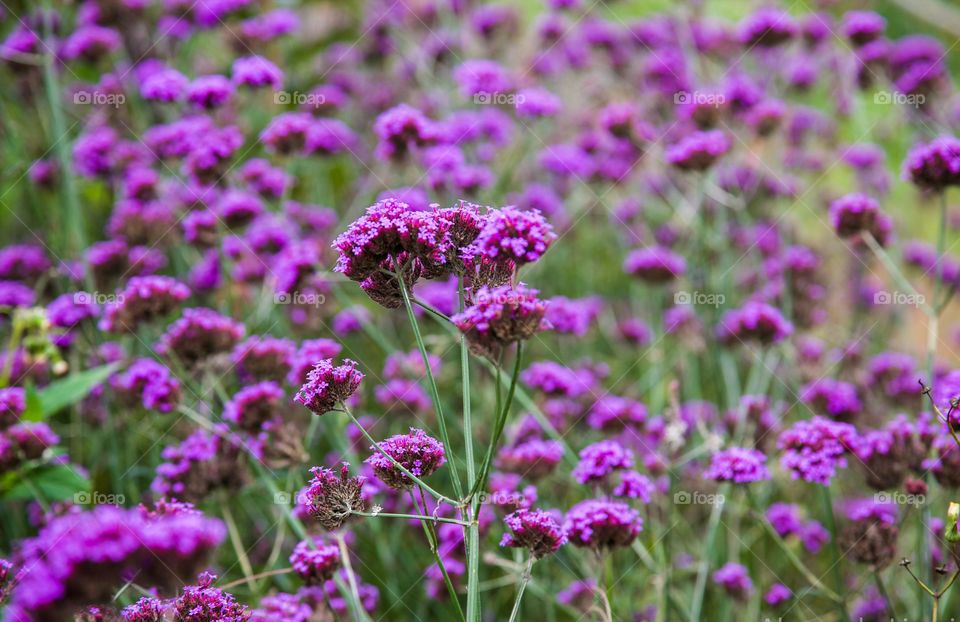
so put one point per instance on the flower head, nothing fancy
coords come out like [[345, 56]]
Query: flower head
[[417, 452], [738, 465], [328, 385], [601, 524], [332, 498], [535, 530]]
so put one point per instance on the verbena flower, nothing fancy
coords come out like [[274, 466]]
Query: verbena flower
[[315, 564], [417, 452], [328, 385], [602, 525], [738, 465], [501, 316], [814, 449], [734, 579], [534, 530], [332, 498], [142, 300]]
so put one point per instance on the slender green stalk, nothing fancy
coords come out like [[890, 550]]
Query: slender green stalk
[[473, 531], [701, 585], [835, 568], [434, 392], [403, 469], [502, 416], [430, 519], [73, 216], [435, 550], [359, 611], [236, 541], [524, 580]]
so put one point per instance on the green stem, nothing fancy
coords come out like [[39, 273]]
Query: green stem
[[502, 415], [434, 392], [435, 550], [430, 519], [473, 531], [73, 217], [359, 611], [235, 540], [701, 585], [835, 568], [523, 586]]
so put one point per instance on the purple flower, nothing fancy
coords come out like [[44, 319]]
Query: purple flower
[[256, 72], [315, 564], [537, 102], [601, 524], [533, 458], [734, 579], [777, 595], [814, 449], [755, 321], [201, 333], [13, 403], [934, 165], [613, 413], [738, 465], [500, 316], [511, 235], [143, 299], [831, 397], [327, 385], [331, 497], [535, 530], [151, 383], [482, 78], [254, 405], [655, 264], [862, 27], [857, 213], [633, 485], [767, 27], [417, 452], [401, 129], [206, 461], [698, 151], [209, 92], [166, 85], [600, 460]]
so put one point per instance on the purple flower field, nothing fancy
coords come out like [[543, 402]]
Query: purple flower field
[[552, 310]]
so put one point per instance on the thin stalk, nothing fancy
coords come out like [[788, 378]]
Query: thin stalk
[[403, 469], [431, 519], [835, 568], [501, 422], [263, 575], [701, 585], [524, 579], [434, 392], [359, 611], [435, 550], [235, 540], [73, 216], [473, 531]]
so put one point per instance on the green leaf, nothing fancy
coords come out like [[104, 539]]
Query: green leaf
[[34, 410], [54, 482], [58, 395]]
